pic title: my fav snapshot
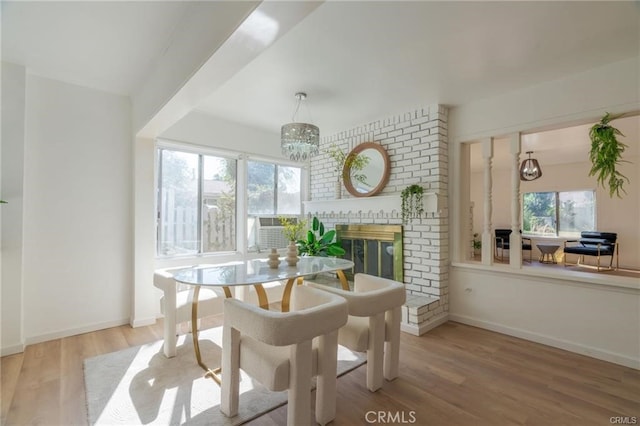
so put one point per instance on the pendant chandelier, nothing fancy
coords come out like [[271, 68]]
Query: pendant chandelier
[[299, 141], [530, 168]]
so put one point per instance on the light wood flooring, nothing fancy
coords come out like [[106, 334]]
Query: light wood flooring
[[453, 375]]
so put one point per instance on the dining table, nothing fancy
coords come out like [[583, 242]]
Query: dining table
[[254, 272]]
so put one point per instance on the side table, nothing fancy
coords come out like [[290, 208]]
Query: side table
[[547, 252]]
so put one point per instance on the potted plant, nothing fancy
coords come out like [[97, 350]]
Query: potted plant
[[606, 154], [319, 242], [477, 243], [412, 205], [354, 162]]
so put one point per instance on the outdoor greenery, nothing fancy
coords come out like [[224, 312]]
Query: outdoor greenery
[[563, 213], [539, 211], [606, 154], [319, 242], [412, 205]]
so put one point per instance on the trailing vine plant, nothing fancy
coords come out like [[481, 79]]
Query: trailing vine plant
[[606, 154], [412, 205]]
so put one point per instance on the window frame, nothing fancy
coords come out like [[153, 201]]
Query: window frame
[[304, 184], [242, 214]]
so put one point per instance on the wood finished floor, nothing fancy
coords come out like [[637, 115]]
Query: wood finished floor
[[453, 375]]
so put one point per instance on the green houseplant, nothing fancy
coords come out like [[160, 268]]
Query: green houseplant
[[319, 242], [412, 205], [477, 242], [292, 228], [606, 154]]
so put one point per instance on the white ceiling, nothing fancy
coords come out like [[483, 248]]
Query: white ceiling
[[358, 60], [361, 61], [109, 46]]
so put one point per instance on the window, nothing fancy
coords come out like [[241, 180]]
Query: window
[[562, 214], [196, 203], [272, 190]]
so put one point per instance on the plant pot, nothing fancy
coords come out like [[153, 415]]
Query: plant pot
[[292, 254]]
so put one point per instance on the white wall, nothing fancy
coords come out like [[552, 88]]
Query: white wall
[[588, 95], [12, 171], [600, 321], [613, 214], [202, 129], [78, 212]]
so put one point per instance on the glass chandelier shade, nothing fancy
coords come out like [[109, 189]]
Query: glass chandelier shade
[[299, 141], [530, 169]]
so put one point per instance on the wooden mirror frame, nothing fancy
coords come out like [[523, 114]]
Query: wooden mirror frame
[[346, 171]]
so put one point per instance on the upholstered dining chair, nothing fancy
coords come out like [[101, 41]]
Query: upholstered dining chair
[[374, 324], [175, 304], [284, 350], [502, 244]]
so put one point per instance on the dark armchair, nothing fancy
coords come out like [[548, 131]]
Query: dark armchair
[[502, 243], [593, 243]]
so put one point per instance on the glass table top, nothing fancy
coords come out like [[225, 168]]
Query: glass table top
[[257, 271]]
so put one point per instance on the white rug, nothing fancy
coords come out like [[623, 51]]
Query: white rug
[[139, 386]]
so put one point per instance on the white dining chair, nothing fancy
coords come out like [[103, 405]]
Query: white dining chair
[[284, 350], [175, 304], [374, 324]]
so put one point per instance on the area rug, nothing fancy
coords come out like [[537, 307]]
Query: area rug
[[139, 386]]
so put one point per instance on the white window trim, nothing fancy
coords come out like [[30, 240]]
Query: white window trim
[[241, 158]]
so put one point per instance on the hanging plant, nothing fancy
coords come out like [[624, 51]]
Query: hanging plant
[[412, 205], [606, 154]]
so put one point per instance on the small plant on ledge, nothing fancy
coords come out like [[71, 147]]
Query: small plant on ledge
[[477, 242], [355, 163], [412, 205]]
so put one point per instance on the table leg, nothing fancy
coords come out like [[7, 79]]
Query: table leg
[[286, 294], [343, 280], [215, 373], [263, 301]]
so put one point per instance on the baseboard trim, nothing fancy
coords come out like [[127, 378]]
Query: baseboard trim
[[12, 350], [419, 330], [74, 331], [550, 341], [135, 323]]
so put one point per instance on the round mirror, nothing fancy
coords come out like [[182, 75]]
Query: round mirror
[[366, 170]]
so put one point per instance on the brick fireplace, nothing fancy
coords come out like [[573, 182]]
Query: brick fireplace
[[417, 144]]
